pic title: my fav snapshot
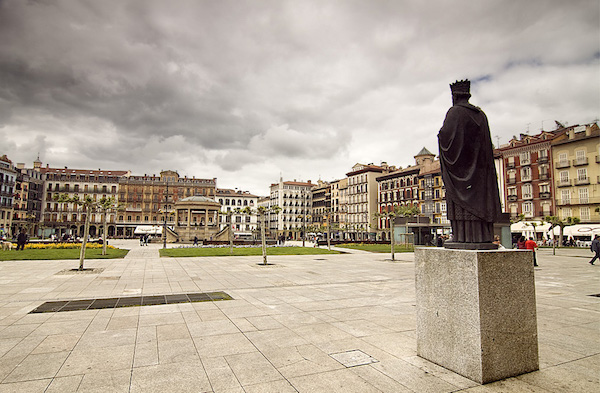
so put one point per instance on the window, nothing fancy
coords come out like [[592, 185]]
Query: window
[[581, 174], [565, 196], [584, 213], [546, 209], [525, 158], [565, 212], [580, 158], [544, 188], [543, 155], [583, 195], [525, 174], [512, 191], [527, 191], [528, 209], [564, 177]]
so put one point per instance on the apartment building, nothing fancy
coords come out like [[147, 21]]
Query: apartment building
[[148, 199], [321, 203], [339, 207], [243, 225], [69, 218], [29, 195], [295, 200], [8, 177], [363, 195], [576, 159], [527, 168]]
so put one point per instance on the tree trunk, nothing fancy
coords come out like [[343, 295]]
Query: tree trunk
[[392, 240], [263, 241], [86, 230], [104, 231], [230, 223]]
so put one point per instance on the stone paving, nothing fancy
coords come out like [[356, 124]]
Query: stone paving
[[284, 330]]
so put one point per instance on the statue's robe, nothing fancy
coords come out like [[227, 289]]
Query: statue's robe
[[469, 174]]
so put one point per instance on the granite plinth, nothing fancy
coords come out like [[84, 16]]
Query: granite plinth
[[476, 312]]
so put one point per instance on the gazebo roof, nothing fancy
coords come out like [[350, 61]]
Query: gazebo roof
[[197, 198]]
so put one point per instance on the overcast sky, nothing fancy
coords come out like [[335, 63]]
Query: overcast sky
[[247, 90]]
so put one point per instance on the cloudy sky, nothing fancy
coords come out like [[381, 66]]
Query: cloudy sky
[[247, 90]]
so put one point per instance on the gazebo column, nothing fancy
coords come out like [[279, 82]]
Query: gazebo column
[[189, 217], [206, 223]]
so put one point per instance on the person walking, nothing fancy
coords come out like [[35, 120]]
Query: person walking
[[595, 248], [21, 240], [521, 243], [531, 245]]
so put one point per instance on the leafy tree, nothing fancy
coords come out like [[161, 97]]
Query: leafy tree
[[554, 221], [262, 213], [87, 204], [105, 205], [398, 211]]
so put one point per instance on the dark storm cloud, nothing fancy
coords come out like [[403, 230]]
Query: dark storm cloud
[[223, 86]]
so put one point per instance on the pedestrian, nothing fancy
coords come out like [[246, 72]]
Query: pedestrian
[[595, 248], [521, 243], [146, 237], [531, 245], [195, 240], [21, 240], [141, 240]]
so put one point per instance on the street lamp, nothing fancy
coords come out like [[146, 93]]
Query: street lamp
[[166, 212]]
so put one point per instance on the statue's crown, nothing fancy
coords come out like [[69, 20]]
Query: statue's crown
[[461, 87]]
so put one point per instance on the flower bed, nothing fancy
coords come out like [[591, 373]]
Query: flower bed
[[64, 246]]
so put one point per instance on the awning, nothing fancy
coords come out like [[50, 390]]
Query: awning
[[148, 229]]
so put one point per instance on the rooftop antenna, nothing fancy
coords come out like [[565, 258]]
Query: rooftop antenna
[[528, 124], [497, 141]]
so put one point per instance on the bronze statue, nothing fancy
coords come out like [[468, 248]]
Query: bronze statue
[[469, 174]]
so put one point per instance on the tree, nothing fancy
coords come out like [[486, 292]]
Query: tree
[[87, 204], [229, 221], [105, 205], [262, 213], [398, 211], [554, 221]]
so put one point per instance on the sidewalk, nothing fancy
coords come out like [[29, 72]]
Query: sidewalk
[[287, 329]]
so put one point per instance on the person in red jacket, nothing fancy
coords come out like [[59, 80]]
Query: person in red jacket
[[531, 245]]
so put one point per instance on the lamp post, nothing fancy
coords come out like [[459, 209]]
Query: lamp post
[[165, 223], [304, 218]]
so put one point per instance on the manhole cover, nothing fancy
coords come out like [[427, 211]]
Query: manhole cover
[[353, 358]]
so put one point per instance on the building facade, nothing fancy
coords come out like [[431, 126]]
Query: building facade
[[576, 159], [529, 187], [8, 177], [295, 200], [29, 197], [243, 225], [363, 195], [339, 208], [149, 200], [69, 218]]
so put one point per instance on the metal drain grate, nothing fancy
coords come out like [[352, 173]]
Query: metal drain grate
[[353, 358], [129, 301]]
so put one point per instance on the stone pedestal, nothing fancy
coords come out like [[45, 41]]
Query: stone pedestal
[[476, 312]]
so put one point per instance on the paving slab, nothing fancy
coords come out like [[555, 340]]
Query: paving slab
[[277, 334]]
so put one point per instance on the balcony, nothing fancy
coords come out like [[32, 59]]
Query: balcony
[[526, 178], [545, 195], [578, 201], [582, 181], [562, 164], [542, 160], [512, 180], [580, 161], [544, 176], [527, 196], [510, 165], [598, 159], [563, 183], [512, 198]]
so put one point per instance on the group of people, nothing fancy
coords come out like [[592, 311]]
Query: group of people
[[528, 244], [144, 239]]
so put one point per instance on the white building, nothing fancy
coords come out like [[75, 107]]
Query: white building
[[243, 225], [295, 200]]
